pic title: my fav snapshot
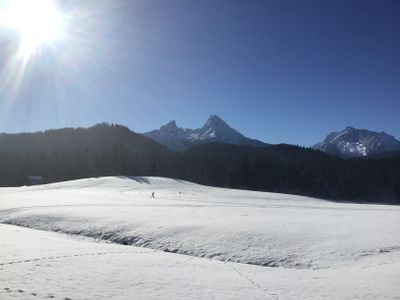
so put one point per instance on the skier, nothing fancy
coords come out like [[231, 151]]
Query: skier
[[152, 195]]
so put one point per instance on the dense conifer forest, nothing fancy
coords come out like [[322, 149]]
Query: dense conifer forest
[[105, 150]]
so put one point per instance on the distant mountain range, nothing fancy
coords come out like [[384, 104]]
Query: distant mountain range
[[215, 155], [214, 130], [349, 143], [352, 142]]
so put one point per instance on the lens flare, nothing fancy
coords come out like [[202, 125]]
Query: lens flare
[[36, 22], [55, 53]]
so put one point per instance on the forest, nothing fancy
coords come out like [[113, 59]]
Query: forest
[[114, 150]]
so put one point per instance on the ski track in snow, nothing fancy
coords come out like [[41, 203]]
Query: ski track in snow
[[308, 241], [49, 217]]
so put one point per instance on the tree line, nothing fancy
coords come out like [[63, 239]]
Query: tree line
[[114, 150]]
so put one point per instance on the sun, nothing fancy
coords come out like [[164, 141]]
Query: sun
[[37, 22]]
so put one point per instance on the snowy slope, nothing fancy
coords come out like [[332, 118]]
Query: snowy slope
[[45, 265], [214, 130], [352, 142], [316, 247]]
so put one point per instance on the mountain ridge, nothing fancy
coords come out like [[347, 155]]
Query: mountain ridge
[[213, 130], [95, 138], [354, 142], [114, 150]]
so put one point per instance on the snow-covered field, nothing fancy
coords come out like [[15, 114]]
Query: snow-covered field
[[236, 244]]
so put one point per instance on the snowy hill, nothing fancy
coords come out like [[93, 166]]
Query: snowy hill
[[214, 130], [352, 142], [235, 244]]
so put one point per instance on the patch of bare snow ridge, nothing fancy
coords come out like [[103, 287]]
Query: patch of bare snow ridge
[[320, 245]]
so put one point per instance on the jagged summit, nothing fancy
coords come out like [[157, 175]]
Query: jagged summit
[[353, 142], [214, 120], [214, 130], [171, 126]]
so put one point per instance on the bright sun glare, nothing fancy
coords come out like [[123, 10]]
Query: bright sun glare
[[37, 22]]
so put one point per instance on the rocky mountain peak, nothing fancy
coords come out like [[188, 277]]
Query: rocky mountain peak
[[353, 142], [215, 121], [214, 130], [170, 127]]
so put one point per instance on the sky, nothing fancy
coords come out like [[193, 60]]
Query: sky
[[281, 71]]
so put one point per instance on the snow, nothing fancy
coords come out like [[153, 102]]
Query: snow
[[213, 130], [359, 142], [357, 148], [237, 244]]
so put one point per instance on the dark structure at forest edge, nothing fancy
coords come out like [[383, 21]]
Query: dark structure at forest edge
[[104, 150]]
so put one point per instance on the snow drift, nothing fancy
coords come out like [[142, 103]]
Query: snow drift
[[266, 229]]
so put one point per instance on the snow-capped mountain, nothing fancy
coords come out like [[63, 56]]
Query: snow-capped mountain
[[214, 130], [352, 142]]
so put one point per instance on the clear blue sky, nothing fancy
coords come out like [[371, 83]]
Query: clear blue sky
[[277, 70]]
